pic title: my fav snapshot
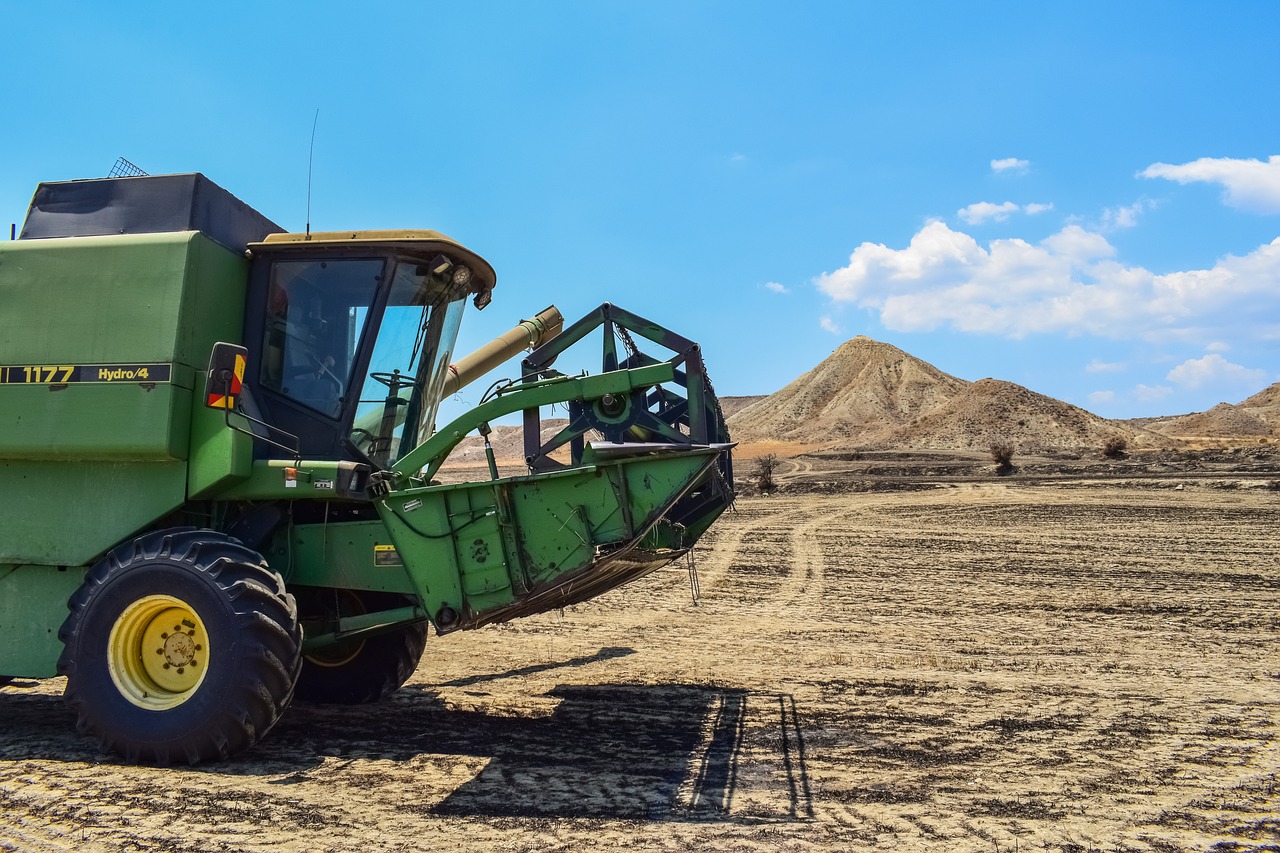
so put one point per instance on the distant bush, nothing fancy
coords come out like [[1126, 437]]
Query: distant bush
[[765, 466], [1114, 447], [1002, 455]]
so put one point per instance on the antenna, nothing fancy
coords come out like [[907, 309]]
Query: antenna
[[310, 159]]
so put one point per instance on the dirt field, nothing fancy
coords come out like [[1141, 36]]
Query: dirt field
[[988, 666]]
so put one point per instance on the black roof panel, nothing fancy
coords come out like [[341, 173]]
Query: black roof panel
[[144, 205]]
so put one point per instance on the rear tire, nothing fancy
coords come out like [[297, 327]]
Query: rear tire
[[365, 669], [181, 645]]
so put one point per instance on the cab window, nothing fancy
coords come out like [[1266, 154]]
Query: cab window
[[315, 315]]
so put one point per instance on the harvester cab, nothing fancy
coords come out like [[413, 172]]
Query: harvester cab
[[354, 335], [243, 424]]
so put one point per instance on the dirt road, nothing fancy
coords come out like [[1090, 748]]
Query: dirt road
[[977, 668]]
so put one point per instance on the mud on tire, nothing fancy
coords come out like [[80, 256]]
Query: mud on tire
[[181, 645]]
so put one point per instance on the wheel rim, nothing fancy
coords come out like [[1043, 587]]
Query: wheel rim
[[345, 651], [339, 654], [158, 652]]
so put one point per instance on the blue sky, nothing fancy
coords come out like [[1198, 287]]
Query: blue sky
[[1080, 198]]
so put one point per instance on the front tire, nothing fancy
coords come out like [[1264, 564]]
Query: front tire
[[180, 645], [363, 669]]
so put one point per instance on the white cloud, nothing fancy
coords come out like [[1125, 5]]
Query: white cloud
[[1213, 369], [1217, 346], [775, 287], [1125, 216], [1079, 245], [1096, 366], [1152, 394], [1250, 184], [829, 325], [1011, 165], [1067, 283], [1098, 397], [983, 210]]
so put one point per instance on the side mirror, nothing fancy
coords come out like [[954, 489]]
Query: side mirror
[[222, 386], [226, 373]]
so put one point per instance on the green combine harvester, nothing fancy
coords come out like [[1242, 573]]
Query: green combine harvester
[[218, 460]]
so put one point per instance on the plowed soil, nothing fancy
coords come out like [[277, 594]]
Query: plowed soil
[[977, 667]]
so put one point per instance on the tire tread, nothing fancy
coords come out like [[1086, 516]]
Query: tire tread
[[265, 617]]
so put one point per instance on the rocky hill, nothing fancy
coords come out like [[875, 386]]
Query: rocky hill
[[871, 395], [1267, 399], [730, 406], [862, 389], [1255, 418], [992, 411]]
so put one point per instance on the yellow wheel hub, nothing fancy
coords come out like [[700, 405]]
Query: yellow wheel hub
[[158, 652]]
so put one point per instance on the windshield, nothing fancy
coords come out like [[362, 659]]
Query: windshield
[[410, 359]]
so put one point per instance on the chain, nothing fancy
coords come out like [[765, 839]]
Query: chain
[[627, 342]]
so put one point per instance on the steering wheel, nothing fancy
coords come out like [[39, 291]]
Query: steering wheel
[[394, 381]]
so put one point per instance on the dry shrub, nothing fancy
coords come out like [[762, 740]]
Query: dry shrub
[[765, 466], [1114, 447], [1002, 455]]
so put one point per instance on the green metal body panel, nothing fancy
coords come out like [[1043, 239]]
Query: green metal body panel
[[126, 421], [33, 605], [66, 514], [345, 555], [96, 311], [219, 457], [143, 298]]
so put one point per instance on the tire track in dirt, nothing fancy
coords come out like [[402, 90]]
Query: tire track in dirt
[[809, 558], [752, 528], [1121, 734], [959, 670]]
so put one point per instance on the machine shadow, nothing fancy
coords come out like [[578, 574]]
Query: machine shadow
[[655, 752], [672, 752], [606, 653], [621, 751], [40, 726]]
